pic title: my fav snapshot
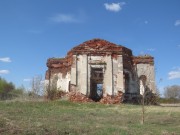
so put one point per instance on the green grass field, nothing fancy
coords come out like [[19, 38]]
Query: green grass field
[[67, 118]]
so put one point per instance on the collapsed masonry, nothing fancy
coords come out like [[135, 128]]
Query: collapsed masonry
[[99, 69]]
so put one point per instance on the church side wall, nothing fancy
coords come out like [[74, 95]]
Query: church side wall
[[148, 71], [63, 82], [59, 81]]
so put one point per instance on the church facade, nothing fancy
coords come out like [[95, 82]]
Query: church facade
[[97, 68]]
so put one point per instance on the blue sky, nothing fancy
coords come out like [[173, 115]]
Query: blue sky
[[31, 31]]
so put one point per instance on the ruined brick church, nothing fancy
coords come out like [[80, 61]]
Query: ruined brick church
[[98, 68]]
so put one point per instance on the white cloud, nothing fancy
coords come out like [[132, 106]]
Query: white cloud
[[65, 18], [4, 71], [177, 23], [27, 80], [5, 59], [115, 7], [175, 74]]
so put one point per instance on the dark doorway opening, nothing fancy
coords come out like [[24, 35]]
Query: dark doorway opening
[[126, 83], [96, 90]]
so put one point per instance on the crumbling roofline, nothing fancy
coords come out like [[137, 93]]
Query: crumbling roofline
[[147, 59]]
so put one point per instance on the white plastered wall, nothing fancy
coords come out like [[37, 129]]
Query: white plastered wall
[[63, 82], [148, 71]]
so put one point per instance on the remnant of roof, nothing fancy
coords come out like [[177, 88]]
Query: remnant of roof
[[98, 46], [146, 59]]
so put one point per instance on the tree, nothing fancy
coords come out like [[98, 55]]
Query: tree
[[5, 89], [36, 86], [172, 92]]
